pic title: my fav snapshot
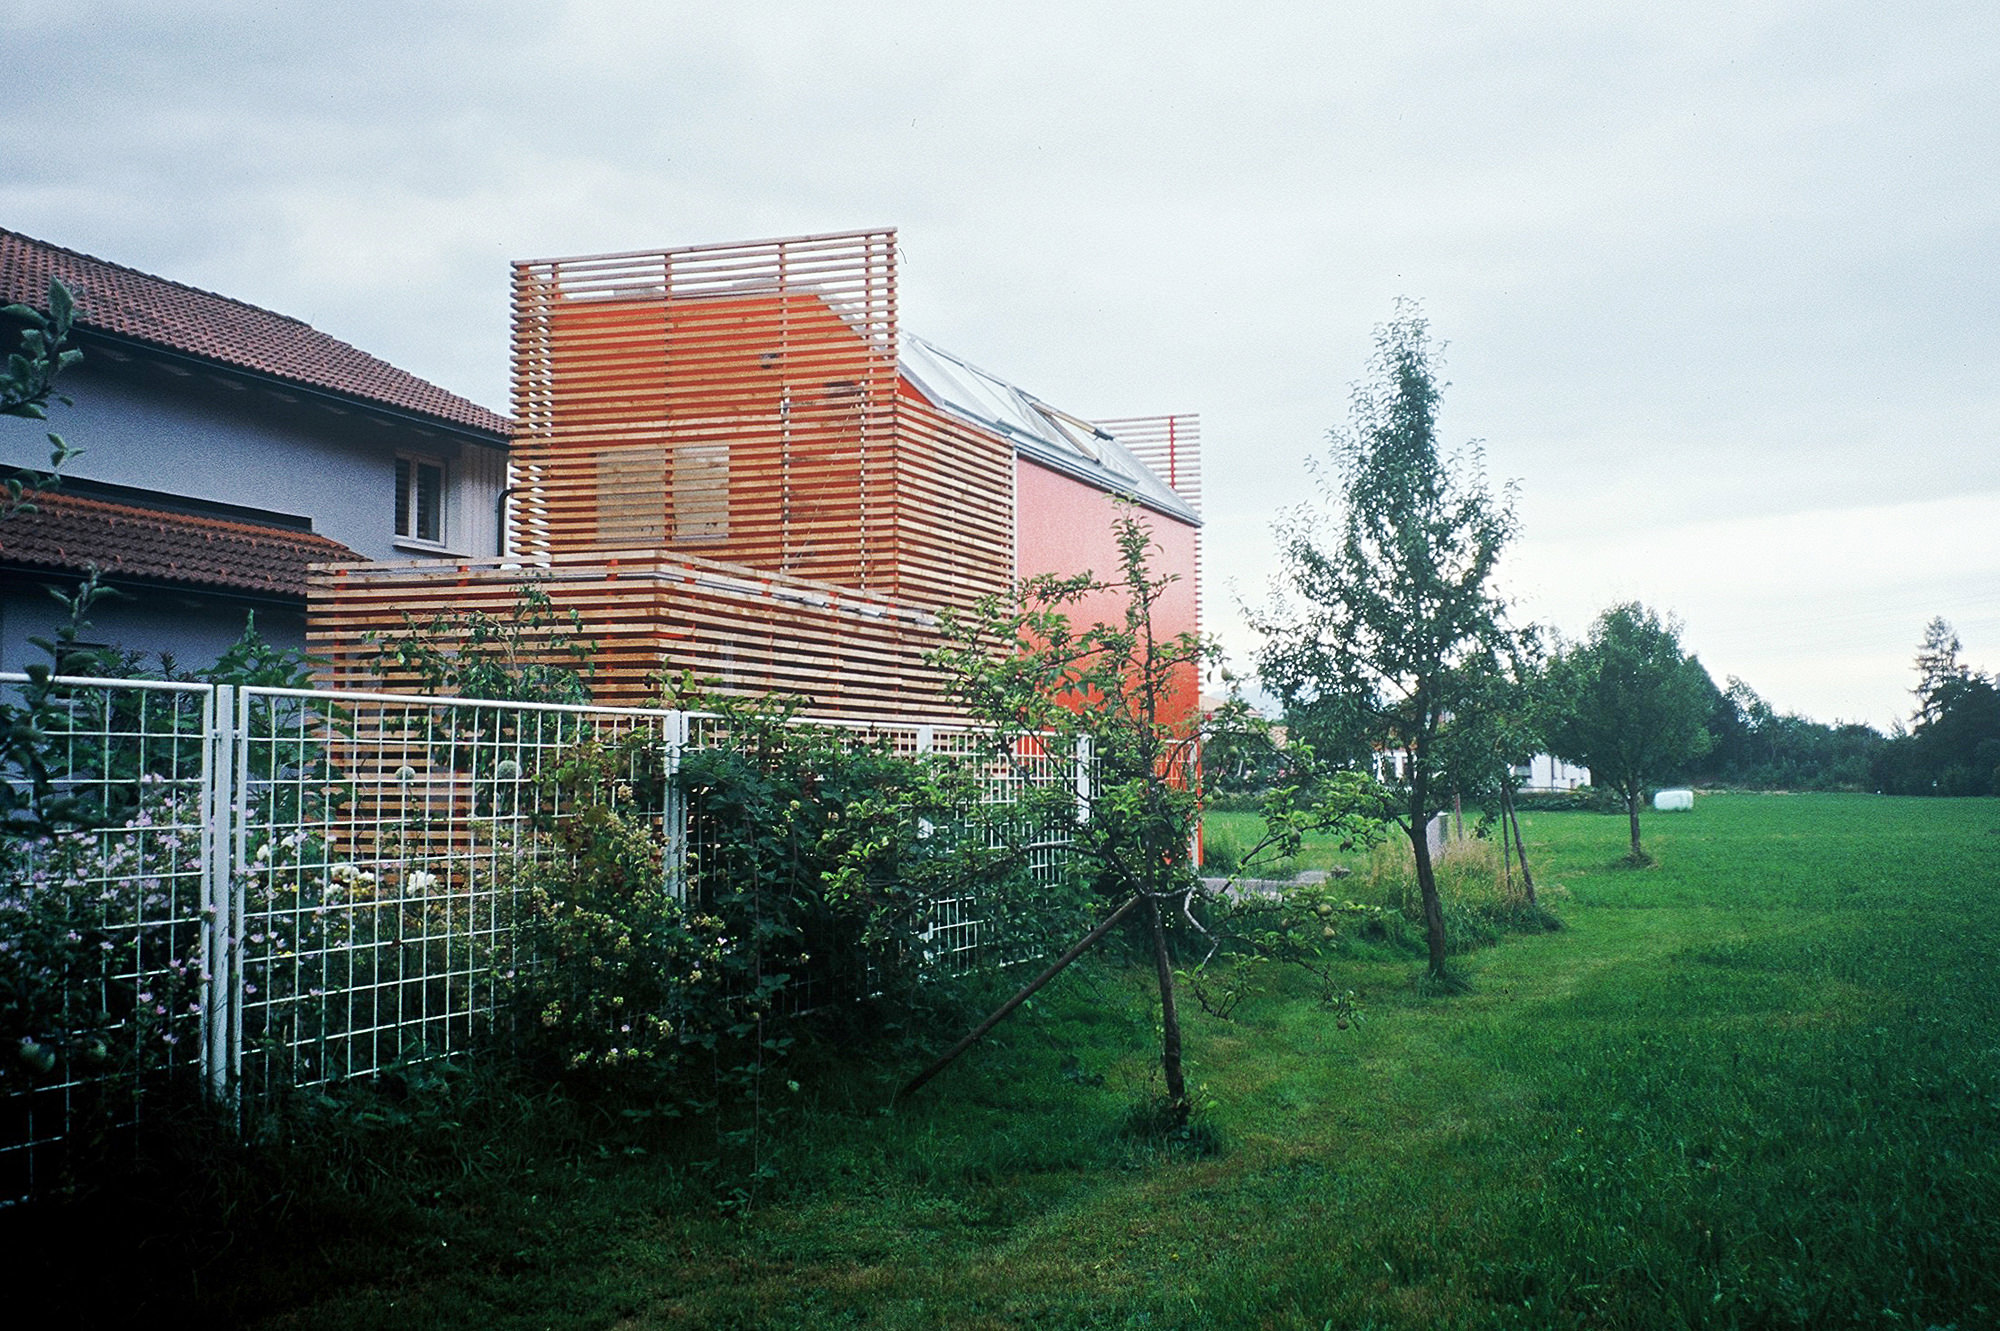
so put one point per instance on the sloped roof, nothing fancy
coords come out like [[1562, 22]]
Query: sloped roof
[[1038, 431], [124, 301], [70, 532]]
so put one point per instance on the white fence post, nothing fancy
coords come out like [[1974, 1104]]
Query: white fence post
[[674, 814], [1086, 787], [218, 897], [238, 738]]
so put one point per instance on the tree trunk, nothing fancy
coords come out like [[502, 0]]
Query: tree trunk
[[1520, 848], [1506, 846], [1632, 812], [1433, 904], [1170, 1017]]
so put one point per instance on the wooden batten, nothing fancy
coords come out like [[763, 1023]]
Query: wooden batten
[[742, 632], [718, 467], [739, 403], [1170, 446]]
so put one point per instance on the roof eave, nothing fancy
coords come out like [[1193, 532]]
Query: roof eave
[[349, 401]]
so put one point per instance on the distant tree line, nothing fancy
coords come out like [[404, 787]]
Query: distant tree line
[[1951, 745], [1755, 746]]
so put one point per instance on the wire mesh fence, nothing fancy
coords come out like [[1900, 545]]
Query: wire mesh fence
[[105, 909], [260, 889]]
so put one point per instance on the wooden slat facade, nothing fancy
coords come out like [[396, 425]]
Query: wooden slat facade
[[1170, 446], [718, 466], [848, 654], [739, 403]]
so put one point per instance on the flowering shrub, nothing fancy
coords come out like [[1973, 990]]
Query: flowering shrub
[[100, 945], [817, 866]]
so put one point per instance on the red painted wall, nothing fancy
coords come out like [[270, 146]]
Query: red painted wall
[[1063, 526]]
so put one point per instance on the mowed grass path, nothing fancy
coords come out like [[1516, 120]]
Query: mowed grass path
[[1755, 1085]]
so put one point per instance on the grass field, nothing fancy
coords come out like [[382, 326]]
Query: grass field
[[1757, 1084]]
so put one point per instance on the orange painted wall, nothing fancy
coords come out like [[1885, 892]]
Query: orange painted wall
[[1064, 527]]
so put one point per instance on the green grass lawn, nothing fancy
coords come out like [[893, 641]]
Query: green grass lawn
[[1757, 1084]]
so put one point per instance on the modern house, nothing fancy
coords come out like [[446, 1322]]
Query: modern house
[[224, 450], [729, 459]]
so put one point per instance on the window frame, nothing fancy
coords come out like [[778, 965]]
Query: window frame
[[408, 502]]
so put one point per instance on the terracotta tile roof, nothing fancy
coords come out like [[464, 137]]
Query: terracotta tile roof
[[127, 302], [69, 532]]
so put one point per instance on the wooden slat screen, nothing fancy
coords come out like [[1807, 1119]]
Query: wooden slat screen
[[1170, 446], [736, 401], [848, 654], [718, 465]]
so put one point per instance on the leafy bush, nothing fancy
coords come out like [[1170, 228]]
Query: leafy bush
[[94, 978], [826, 873]]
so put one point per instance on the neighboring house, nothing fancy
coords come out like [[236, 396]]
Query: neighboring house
[[1541, 774], [1547, 773], [224, 450], [730, 460]]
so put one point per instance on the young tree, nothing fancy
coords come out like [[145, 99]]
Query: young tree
[[1022, 668], [1386, 634], [1628, 704]]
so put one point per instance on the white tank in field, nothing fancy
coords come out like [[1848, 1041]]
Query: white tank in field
[[1673, 801]]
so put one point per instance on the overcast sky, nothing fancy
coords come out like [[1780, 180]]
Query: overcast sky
[[1717, 280]]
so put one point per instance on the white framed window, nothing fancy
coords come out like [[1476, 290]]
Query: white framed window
[[420, 500]]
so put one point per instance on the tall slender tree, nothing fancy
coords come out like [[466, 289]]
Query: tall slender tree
[[1939, 671], [1386, 633]]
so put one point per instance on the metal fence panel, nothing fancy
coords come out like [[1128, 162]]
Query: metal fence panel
[[380, 847], [104, 933], [280, 888]]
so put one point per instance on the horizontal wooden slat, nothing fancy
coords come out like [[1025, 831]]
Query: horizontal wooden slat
[[846, 654], [777, 363]]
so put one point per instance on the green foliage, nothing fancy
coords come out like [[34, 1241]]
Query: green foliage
[[100, 975], [254, 661], [79, 913], [1478, 907], [74, 756], [1953, 746], [1628, 704], [1758, 747], [1240, 755], [820, 869], [532, 654], [1389, 637], [613, 964], [1052, 689], [1742, 1090], [27, 383], [1105, 685], [39, 777]]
